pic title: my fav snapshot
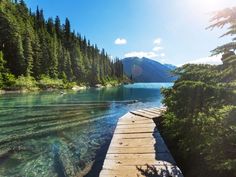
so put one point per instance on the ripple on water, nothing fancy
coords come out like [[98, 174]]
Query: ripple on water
[[47, 134]]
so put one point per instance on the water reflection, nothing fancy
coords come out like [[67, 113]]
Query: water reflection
[[49, 134]]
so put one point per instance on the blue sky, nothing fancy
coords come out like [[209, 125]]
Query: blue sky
[[169, 31]]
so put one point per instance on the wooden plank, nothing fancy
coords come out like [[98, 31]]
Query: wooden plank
[[131, 162], [130, 156], [142, 114], [144, 125], [148, 113], [133, 168], [159, 109], [133, 135], [154, 111], [135, 121], [134, 117], [133, 171], [131, 150], [134, 130], [135, 143]]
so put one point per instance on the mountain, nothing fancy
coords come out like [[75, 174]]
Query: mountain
[[147, 70], [170, 66]]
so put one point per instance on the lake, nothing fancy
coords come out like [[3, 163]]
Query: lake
[[54, 134]]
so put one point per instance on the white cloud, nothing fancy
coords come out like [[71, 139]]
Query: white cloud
[[214, 60], [141, 54], [120, 41], [154, 54], [162, 55], [157, 48], [157, 41]]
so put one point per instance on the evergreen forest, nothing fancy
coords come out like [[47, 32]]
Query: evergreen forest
[[46, 53], [200, 122]]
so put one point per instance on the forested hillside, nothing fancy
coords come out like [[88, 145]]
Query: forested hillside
[[200, 122], [38, 50]]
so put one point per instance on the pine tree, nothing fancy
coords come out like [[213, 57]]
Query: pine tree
[[60, 52], [44, 41], [77, 63], [53, 56], [58, 27], [22, 2], [50, 26], [2, 63], [67, 65], [67, 30], [33, 46], [2, 68], [20, 65], [219, 20], [37, 57], [28, 55]]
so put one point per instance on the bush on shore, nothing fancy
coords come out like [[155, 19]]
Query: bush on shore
[[46, 82]]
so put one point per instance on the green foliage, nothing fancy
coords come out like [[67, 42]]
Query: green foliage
[[33, 46], [69, 85], [46, 82], [200, 122], [9, 80], [25, 83], [2, 63], [226, 17]]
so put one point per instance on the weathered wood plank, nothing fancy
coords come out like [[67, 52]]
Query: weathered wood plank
[[144, 125], [134, 130], [131, 150], [154, 111], [133, 135], [133, 142], [142, 114], [136, 142], [134, 122], [133, 170], [130, 156], [149, 113], [131, 162]]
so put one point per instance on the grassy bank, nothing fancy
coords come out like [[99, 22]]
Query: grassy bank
[[28, 84]]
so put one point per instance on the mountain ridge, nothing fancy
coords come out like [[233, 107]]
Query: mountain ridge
[[147, 70]]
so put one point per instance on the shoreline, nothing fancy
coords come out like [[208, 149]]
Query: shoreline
[[75, 88]]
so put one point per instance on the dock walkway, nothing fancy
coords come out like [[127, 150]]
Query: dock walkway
[[137, 148]]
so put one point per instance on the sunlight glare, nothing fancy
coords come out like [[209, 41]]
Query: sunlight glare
[[207, 5]]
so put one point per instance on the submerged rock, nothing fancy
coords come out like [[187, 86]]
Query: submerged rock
[[63, 161]]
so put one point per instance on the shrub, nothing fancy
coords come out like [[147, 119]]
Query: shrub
[[1, 81], [9, 80], [69, 85], [46, 82], [23, 82]]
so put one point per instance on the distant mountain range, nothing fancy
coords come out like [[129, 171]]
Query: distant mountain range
[[147, 70]]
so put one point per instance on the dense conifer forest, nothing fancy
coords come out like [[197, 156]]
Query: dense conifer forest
[[200, 122], [35, 51]]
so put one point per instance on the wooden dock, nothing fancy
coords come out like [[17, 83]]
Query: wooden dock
[[137, 148]]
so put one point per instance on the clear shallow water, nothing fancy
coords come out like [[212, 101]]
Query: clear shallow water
[[49, 134]]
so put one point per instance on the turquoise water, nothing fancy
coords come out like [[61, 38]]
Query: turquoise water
[[54, 134]]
